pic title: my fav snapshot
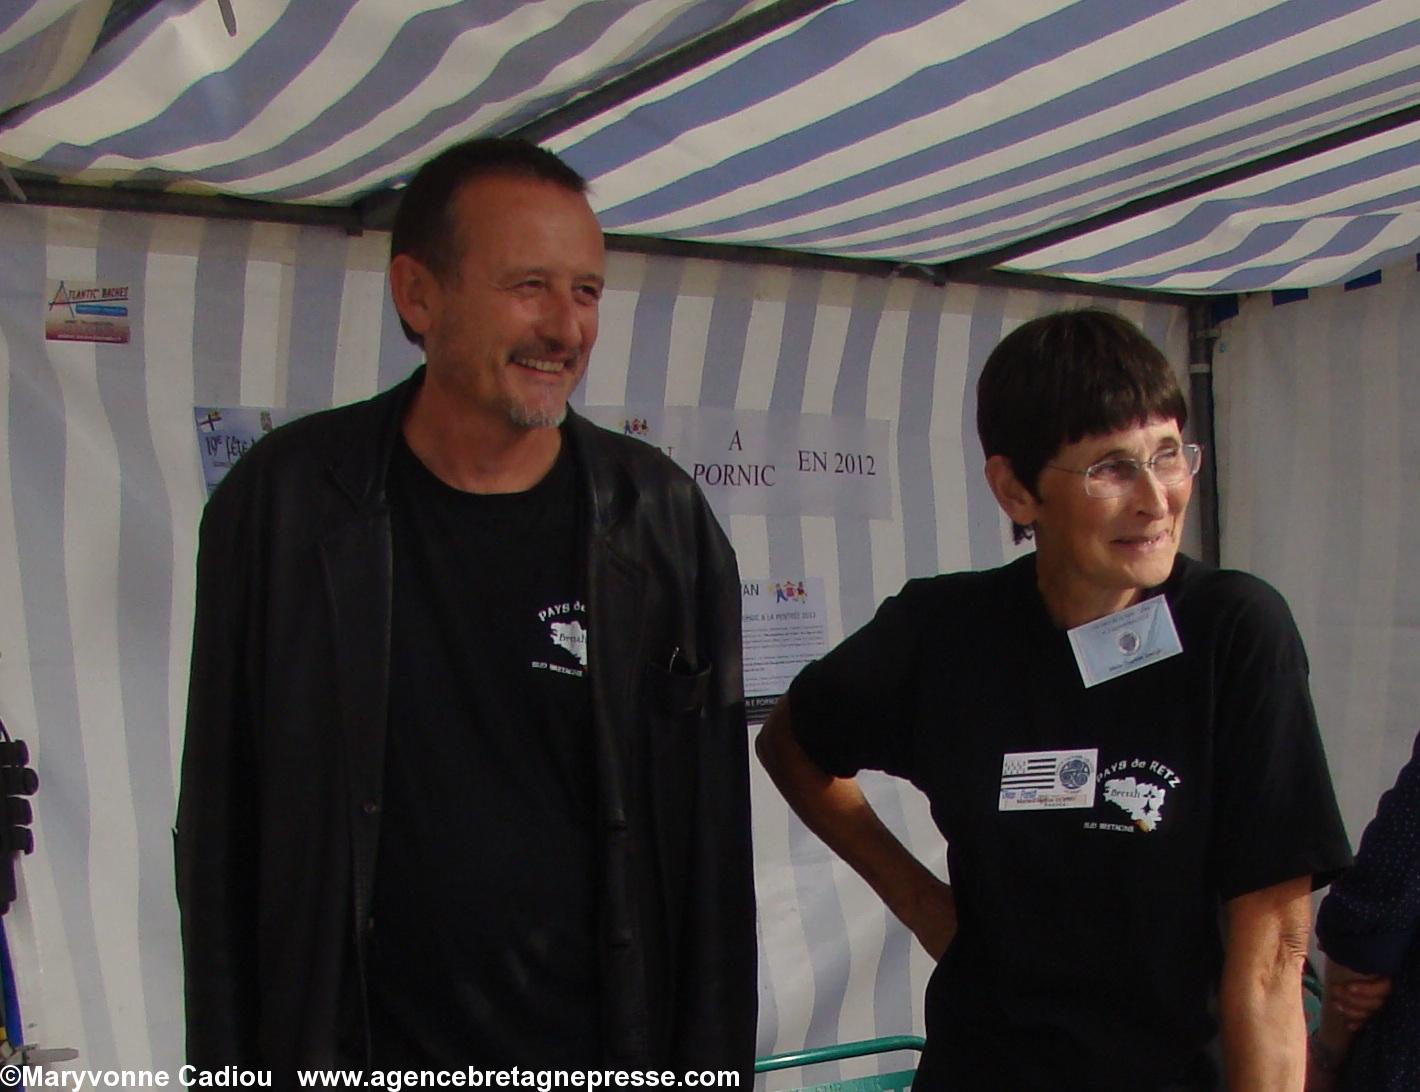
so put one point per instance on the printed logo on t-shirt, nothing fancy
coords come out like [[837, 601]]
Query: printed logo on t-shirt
[[1143, 800], [1047, 780], [1139, 787], [567, 631]]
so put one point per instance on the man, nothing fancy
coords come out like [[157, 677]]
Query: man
[[465, 772], [1107, 789]]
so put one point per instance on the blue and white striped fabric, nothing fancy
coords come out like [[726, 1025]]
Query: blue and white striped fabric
[[326, 101], [1317, 445], [1339, 216], [926, 132], [44, 44], [916, 131]]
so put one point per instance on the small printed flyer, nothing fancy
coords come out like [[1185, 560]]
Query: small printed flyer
[[87, 311], [225, 434], [785, 626]]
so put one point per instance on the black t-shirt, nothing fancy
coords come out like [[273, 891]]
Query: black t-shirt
[[483, 947], [1089, 949]]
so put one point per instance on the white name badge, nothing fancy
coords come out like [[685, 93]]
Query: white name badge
[[1036, 780], [1125, 641]]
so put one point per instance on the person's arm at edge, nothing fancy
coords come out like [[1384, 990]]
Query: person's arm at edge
[[1260, 999], [1349, 999], [1366, 923], [836, 810]]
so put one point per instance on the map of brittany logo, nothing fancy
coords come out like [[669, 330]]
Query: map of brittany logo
[[1143, 801], [573, 637]]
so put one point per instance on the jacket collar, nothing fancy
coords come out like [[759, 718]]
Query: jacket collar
[[361, 467], [611, 491]]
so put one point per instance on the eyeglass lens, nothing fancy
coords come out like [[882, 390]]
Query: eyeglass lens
[[1116, 476]]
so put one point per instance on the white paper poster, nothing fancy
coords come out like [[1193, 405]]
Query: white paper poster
[[785, 626], [753, 462]]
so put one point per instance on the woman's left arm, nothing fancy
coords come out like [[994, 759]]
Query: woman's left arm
[[1260, 1000]]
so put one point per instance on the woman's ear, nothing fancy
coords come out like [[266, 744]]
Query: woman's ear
[[1018, 502]]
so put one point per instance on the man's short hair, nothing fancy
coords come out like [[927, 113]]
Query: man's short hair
[[424, 225], [1062, 377]]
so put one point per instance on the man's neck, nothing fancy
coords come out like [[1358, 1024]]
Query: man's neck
[[475, 455]]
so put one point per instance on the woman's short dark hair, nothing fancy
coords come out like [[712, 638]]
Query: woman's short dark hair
[[424, 226], [1062, 377]]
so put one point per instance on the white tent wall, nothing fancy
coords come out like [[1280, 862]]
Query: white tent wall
[[101, 492], [1317, 405]]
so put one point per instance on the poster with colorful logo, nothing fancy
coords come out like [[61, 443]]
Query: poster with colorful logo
[[225, 434], [785, 624], [87, 311]]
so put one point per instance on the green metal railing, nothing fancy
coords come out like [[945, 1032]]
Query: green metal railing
[[878, 1082]]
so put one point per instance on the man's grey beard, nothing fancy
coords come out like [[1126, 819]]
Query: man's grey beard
[[537, 416]]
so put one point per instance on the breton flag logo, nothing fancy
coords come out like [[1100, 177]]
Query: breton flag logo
[[1028, 772]]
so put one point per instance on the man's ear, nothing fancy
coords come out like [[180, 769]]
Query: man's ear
[[1018, 502], [415, 290]]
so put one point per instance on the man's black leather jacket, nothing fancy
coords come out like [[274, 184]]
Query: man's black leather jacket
[[279, 811]]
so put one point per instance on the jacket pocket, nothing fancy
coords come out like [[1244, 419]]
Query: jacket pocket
[[675, 702], [679, 691]]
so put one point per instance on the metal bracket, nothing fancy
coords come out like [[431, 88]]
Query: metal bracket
[[34, 1054], [10, 184]]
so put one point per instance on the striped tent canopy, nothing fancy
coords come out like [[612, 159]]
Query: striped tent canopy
[[1202, 146]]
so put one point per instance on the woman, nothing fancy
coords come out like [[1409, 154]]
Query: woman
[[1116, 741]]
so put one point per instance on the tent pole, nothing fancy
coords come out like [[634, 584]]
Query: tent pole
[[1201, 336], [42, 191], [879, 267], [46, 191]]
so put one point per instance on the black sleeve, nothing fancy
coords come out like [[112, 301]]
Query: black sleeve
[[214, 839], [1371, 916], [1275, 815], [854, 709], [718, 1006]]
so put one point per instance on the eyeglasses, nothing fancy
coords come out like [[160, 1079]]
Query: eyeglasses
[[1116, 477]]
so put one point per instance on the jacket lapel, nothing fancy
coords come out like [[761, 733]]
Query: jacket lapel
[[357, 560], [616, 588]]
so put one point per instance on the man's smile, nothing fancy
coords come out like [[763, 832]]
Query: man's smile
[[538, 364]]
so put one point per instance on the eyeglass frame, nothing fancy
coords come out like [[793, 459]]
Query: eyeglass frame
[[1193, 459]]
